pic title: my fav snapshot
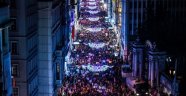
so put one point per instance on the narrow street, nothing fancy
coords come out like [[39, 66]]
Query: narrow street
[[95, 68], [92, 47]]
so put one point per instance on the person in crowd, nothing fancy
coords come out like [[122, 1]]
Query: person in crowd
[[96, 48]]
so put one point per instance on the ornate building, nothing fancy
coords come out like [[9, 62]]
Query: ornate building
[[157, 68]]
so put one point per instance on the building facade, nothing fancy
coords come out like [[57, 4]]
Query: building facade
[[139, 11], [132, 15], [162, 71], [54, 27], [39, 39], [5, 56], [117, 10], [23, 43]]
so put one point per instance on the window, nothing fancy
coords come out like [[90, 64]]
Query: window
[[58, 71], [15, 69], [13, 27], [14, 48], [15, 92]]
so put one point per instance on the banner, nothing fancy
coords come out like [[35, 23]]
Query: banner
[[73, 32]]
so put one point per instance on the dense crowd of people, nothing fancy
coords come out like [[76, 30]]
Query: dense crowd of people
[[95, 59], [95, 48], [87, 55], [86, 36], [93, 84]]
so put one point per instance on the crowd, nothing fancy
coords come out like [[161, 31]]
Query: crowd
[[95, 58], [95, 48], [93, 84], [87, 55], [87, 36]]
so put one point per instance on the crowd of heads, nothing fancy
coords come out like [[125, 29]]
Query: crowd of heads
[[94, 84], [84, 82]]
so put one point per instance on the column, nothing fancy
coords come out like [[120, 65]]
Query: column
[[45, 71], [137, 58], [134, 66], [157, 72], [156, 63], [140, 62], [152, 73], [149, 70]]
